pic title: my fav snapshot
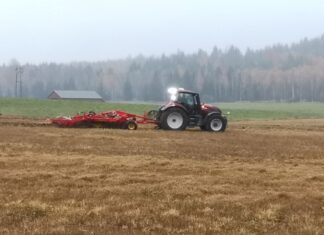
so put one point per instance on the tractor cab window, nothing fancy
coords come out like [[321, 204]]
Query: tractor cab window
[[186, 99]]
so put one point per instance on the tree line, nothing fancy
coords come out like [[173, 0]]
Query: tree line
[[278, 73]]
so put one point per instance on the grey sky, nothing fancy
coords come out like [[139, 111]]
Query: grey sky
[[89, 30]]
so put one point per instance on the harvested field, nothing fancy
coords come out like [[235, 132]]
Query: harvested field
[[259, 177]]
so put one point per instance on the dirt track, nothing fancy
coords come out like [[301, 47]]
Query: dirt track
[[258, 177]]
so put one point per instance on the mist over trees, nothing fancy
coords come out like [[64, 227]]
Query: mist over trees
[[279, 73]]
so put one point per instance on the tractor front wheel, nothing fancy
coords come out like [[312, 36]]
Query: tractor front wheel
[[174, 119], [216, 123]]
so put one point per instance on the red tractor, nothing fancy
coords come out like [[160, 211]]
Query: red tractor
[[185, 110]]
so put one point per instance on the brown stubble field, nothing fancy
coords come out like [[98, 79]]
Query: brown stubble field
[[259, 177]]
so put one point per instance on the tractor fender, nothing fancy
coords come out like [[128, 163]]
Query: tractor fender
[[173, 105], [217, 113]]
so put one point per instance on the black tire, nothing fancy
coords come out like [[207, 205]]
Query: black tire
[[174, 119], [130, 125], [203, 128], [216, 123]]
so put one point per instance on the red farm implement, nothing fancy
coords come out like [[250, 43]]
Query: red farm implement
[[110, 119]]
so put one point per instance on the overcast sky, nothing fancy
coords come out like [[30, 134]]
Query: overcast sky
[[38, 31]]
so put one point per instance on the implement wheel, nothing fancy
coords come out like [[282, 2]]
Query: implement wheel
[[130, 125]]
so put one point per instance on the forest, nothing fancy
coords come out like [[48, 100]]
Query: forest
[[283, 73]]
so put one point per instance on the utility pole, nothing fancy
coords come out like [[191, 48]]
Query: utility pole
[[18, 84], [21, 72]]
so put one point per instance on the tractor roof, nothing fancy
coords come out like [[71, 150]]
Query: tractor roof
[[186, 91]]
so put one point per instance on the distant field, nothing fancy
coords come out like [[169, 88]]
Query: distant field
[[272, 110], [238, 110], [52, 108]]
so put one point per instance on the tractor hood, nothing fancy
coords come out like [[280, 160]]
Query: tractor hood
[[207, 108]]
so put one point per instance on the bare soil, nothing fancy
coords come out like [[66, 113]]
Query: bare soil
[[259, 177]]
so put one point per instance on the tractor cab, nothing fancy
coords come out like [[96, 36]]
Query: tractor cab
[[189, 100]]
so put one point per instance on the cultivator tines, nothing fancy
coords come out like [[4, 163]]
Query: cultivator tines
[[110, 119]]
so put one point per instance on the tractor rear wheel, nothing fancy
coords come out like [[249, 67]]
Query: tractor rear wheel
[[174, 119], [215, 123]]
